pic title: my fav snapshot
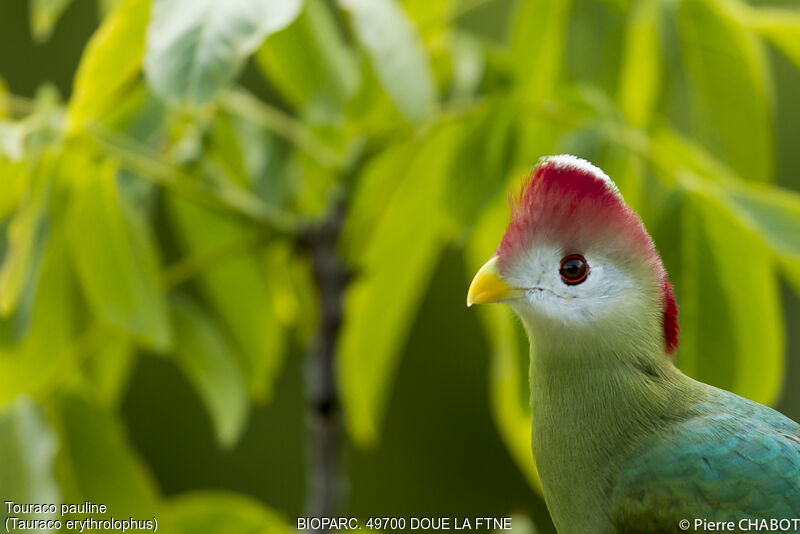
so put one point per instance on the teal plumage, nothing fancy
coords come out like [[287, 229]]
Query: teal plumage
[[730, 459]]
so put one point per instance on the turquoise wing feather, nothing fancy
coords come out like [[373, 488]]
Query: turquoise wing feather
[[731, 459]]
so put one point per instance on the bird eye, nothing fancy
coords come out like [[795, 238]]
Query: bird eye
[[574, 269]]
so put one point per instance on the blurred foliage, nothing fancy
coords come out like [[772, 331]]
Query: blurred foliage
[[150, 213]]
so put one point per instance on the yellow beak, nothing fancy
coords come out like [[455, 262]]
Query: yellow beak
[[487, 286]]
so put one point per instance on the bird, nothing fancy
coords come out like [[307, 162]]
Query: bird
[[623, 441]]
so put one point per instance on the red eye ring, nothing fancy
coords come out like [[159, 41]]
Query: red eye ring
[[573, 269]]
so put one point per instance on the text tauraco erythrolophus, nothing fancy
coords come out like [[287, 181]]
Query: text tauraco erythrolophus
[[623, 441]]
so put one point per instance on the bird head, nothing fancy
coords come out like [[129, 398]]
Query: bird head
[[577, 265]]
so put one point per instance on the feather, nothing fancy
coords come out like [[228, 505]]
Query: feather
[[730, 460]]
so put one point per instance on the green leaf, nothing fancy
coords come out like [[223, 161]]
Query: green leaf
[[210, 512], [539, 32], [28, 448], [375, 189], [508, 381], [5, 105], [203, 354], [433, 14], [225, 151], [13, 186], [396, 53], [640, 76], [138, 118], [35, 350], [44, 17], [482, 165], [772, 212], [468, 66], [249, 156], [394, 269], [26, 238], [196, 47], [372, 111], [309, 61], [775, 215], [679, 155], [731, 322], [110, 65], [96, 463], [105, 7], [239, 289], [781, 27], [297, 299], [629, 171], [115, 256], [791, 270], [731, 84], [110, 367], [539, 37]]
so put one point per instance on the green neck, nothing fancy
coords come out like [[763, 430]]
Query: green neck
[[589, 409]]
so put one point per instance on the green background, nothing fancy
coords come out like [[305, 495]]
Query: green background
[[156, 309]]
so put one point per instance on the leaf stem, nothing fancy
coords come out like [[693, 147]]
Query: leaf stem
[[148, 167], [190, 266], [247, 106]]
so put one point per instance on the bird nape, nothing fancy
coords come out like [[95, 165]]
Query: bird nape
[[623, 441]]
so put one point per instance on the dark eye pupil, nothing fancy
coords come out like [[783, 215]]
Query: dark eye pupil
[[574, 269]]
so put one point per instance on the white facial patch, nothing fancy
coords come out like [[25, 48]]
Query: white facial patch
[[609, 289]]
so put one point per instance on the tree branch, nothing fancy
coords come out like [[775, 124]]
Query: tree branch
[[331, 276]]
